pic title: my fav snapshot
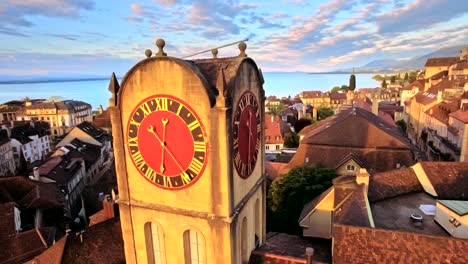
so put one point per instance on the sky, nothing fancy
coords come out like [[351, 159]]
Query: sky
[[95, 38]]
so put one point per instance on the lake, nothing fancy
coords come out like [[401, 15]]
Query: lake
[[95, 92]]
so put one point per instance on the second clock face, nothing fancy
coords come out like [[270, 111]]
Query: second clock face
[[167, 142], [246, 134]]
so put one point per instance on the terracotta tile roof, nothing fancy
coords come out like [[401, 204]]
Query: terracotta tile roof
[[103, 120], [275, 128], [416, 84], [377, 145], [384, 185], [426, 98], [442, 61], [282, 248], [449, 179], [52, 255], [448, 83], [351, 208], [310, 206], [61, 168], [273, 169], [461, 65], [27, 193], [356, 245], [442, 110], [98, 134], [26, 245], [460, 115], [7, 220], [101, 243], [338, 96], [346, 129], [312, 94]]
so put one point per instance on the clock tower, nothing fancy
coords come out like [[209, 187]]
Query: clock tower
[[188, 145]]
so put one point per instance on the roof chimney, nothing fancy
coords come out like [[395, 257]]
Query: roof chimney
[[108, 207], [439, 96], [36, 173], [309, 255], [362, 177], [375, 106]]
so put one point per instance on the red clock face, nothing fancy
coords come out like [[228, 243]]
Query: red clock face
[[167, 142], [246, 134]]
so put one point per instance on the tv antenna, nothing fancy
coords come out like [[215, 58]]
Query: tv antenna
[[220, 47]]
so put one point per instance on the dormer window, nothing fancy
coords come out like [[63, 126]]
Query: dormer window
[[350, 168]]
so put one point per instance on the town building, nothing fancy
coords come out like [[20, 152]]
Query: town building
[[89, 134], [8, 110], [351, 140], [166, 219], [275, 131], [62, 115], [394, 216], [69, 175], [30, 143], [29, 211], [7, 161]]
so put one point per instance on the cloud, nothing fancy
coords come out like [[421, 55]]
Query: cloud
[[15, 12], [420, 14], [166, 3], [12, 32], [216, 16], [63, 36]]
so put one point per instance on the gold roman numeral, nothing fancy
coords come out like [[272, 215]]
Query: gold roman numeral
[[179, 109], [167, 181], [199, 146], [192, 126], [138, 159], [133, 142], [150, 174], [235, 144], [161, 104], [145, 108], [259, 128], [185, 178], [195, 166], [133, 122]]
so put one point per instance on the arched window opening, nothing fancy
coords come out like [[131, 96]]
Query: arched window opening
[[155, 243], [194, 247], [244, 244], [258, 216]]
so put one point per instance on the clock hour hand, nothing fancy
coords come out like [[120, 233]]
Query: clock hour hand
[[152, 131]]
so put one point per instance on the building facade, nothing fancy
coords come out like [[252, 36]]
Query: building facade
[[62, 115], [7, 162]]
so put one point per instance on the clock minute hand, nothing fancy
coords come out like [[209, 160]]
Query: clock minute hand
[[163, 143], [152, 131]]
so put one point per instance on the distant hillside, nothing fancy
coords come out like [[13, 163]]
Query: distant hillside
[[411, 64]]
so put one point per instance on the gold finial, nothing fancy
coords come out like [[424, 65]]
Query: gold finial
[[215, 53], [242, 48], [160, 43], [148, 53]]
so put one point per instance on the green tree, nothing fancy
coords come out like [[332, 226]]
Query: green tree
[[352, 82], [301, 123], [384, 83], [276, 110], [291, 140], [335, 89], [402, 124], [406, 76], [324, 112], [393, 79], [412, 76], [290, 192]]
